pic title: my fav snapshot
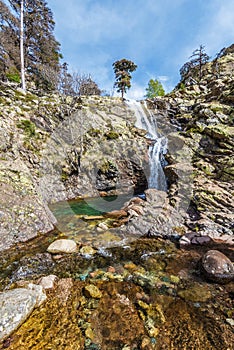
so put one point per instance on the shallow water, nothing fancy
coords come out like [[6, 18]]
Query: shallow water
[[152, 294]]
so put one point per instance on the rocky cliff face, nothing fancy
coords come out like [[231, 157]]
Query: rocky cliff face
[[203, 114], [54, 148]]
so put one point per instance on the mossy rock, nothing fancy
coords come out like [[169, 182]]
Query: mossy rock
[[28, 127], [112, 135]]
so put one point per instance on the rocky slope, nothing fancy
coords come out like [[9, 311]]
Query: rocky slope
[[55, 148]]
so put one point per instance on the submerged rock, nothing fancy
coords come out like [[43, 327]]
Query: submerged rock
[[217, 267], [62, 246], [16, 305], [47, 282], [91, 291]]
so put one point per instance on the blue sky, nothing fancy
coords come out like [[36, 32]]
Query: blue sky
[[158, 35]]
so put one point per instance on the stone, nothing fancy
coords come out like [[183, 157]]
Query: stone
[[87, 250], [16, 305], [116, 214], [217, 267], [196, 293], [62, 246], [230, 321], [91, 291], [103, 226], [47, 282]]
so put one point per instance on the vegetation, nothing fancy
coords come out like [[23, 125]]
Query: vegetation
[[76, 84], [198, 59], [41, 49], [154, 89], [122, 70], [28, 127], [28, 45]]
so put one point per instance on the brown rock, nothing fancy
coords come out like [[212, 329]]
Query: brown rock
[[217, 267], [116, 214]]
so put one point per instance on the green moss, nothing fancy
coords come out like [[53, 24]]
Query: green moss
[[112, 135], [28, 127], [94, 132], [13, 75]]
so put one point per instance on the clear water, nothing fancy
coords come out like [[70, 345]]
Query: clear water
[[89, 206]]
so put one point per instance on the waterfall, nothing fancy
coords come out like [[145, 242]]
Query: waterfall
[[158, 147]]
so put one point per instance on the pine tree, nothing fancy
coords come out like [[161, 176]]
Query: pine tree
[[41, 50], [198, 59], [122, 70], [9, 45]]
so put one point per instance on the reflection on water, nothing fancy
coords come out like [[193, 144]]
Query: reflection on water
[[89, 206]]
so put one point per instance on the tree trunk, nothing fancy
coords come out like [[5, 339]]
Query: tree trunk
[[22, 45]]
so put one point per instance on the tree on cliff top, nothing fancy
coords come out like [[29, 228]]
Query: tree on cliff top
[[122, 70], [198, 59], [154, 89]]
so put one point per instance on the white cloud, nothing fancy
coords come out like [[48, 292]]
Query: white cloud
[[159, 36]]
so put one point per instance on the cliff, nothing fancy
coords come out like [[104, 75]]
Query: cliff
[[202, 112], [55, 148]]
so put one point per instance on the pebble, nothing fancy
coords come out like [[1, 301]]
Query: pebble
[[230, 321], [87, 250]]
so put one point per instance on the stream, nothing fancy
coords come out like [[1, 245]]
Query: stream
[[117, 293]]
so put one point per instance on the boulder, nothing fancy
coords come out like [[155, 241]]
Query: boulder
[[217, 267], [62, 246], [16, 305]]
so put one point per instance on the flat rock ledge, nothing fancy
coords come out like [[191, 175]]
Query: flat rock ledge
[[16, 305]]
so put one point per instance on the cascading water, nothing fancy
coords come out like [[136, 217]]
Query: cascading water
[[157, 148]]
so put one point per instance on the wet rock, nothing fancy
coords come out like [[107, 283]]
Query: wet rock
[[194, 238], [217, 267], [47, 282], [87, 250], [16, 305], [62, 246], [33, 267], [91, 291], [116, 214], [196, 293]]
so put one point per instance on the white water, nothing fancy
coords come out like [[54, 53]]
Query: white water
[[145, 120]]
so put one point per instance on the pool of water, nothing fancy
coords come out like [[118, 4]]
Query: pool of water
[[89, 206]]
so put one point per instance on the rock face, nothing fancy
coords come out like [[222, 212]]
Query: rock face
[[217, 267], [16, 305], [200, 149], [55, 148]]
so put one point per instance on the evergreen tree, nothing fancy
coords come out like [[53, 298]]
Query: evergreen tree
[[198, 59], [154, 89], [122, 70], [9, 45], [41, 50]]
